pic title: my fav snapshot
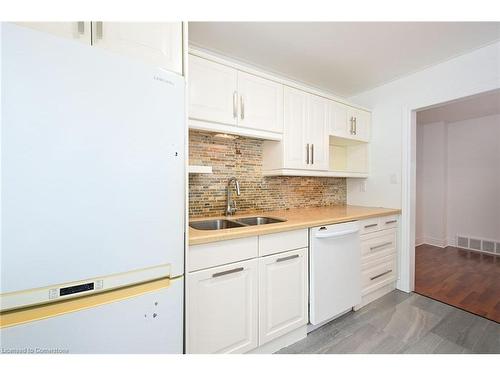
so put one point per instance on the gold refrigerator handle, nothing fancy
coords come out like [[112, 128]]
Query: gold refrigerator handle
[[49, 310]]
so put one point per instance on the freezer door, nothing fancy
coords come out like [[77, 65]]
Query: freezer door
[[148, 323], [92, 162]]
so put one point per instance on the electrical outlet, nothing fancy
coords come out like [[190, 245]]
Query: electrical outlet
[[393, 179]]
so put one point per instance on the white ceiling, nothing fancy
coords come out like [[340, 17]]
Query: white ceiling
[[344, 58], [481, 105]]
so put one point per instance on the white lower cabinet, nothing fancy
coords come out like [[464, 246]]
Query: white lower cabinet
[[222, 309], [260, 304], [379, 249], [282, 294]]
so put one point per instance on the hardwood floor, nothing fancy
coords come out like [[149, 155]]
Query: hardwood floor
[[403, 323], [465, 279]]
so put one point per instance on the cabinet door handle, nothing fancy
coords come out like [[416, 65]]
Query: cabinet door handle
[[223, 273], [391, 221], [382, 274], [96, 31], [307, 153], [81, 27], [235, 104], [242, 109], [380, 246], [351, 129], [355, 125], [284, 259], [312, 153], [370, 225]]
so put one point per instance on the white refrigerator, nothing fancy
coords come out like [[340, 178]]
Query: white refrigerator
[[92, 194]]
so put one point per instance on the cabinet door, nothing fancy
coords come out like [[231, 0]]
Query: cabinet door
[[282, 294], [222, 309], [73, 30], [295, 146], [260, 103], [359, 124], [317, 132], [339, 126], [156, 43], [213, 92]]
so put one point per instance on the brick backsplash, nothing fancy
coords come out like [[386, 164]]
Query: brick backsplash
[[242, 158]]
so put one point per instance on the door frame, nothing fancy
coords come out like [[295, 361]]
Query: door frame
[[406, 281]]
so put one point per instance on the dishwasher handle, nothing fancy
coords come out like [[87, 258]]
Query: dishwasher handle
[[336, 234]]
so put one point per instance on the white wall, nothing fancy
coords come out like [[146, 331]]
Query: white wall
[[392, 155], [431, 182], [458, 180], [469, 74], [474, 178]]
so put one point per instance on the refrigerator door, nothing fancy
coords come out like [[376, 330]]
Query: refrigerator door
[[147, 323], [92, 163]]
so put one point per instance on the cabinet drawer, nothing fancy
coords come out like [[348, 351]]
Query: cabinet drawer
[[369, 225], [388, 222], [377, 245], [284, 241], [222, 252], [377, 274]]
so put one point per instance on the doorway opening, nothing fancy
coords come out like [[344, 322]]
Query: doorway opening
[[457, 203]]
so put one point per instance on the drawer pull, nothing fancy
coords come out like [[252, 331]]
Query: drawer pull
[[380, 246], [391, 221], [287, 258], [371, 225], [382, 274], [218, 274]]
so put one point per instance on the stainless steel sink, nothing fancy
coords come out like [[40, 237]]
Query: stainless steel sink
[[259, 220], [236, 223], [215, 224]]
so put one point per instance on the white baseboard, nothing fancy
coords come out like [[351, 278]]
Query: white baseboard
[[376, 294], [312, 327], [281, 342], [439, 242]]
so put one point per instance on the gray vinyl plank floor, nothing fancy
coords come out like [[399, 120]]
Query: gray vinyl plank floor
[[403, 323]]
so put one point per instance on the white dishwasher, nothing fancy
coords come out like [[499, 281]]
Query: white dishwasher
[[335, 271]]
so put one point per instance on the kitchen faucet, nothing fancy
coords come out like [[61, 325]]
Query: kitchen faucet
[[231, 204]]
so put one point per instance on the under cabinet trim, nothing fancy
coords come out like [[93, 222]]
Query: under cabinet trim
[[215, 127]]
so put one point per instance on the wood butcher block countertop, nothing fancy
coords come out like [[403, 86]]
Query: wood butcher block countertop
[[296, 218]]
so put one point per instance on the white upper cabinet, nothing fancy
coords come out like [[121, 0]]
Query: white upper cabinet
[[359, 124], [260, 103], [222, 309], [220, 95], [295, 147], [348, 122], [213, 94], [73, 30], [282, 294], [338, 120], [317, 132], [157, 43], [305, 136]]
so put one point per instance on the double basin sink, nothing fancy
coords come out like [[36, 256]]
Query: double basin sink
[[236, 223]]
